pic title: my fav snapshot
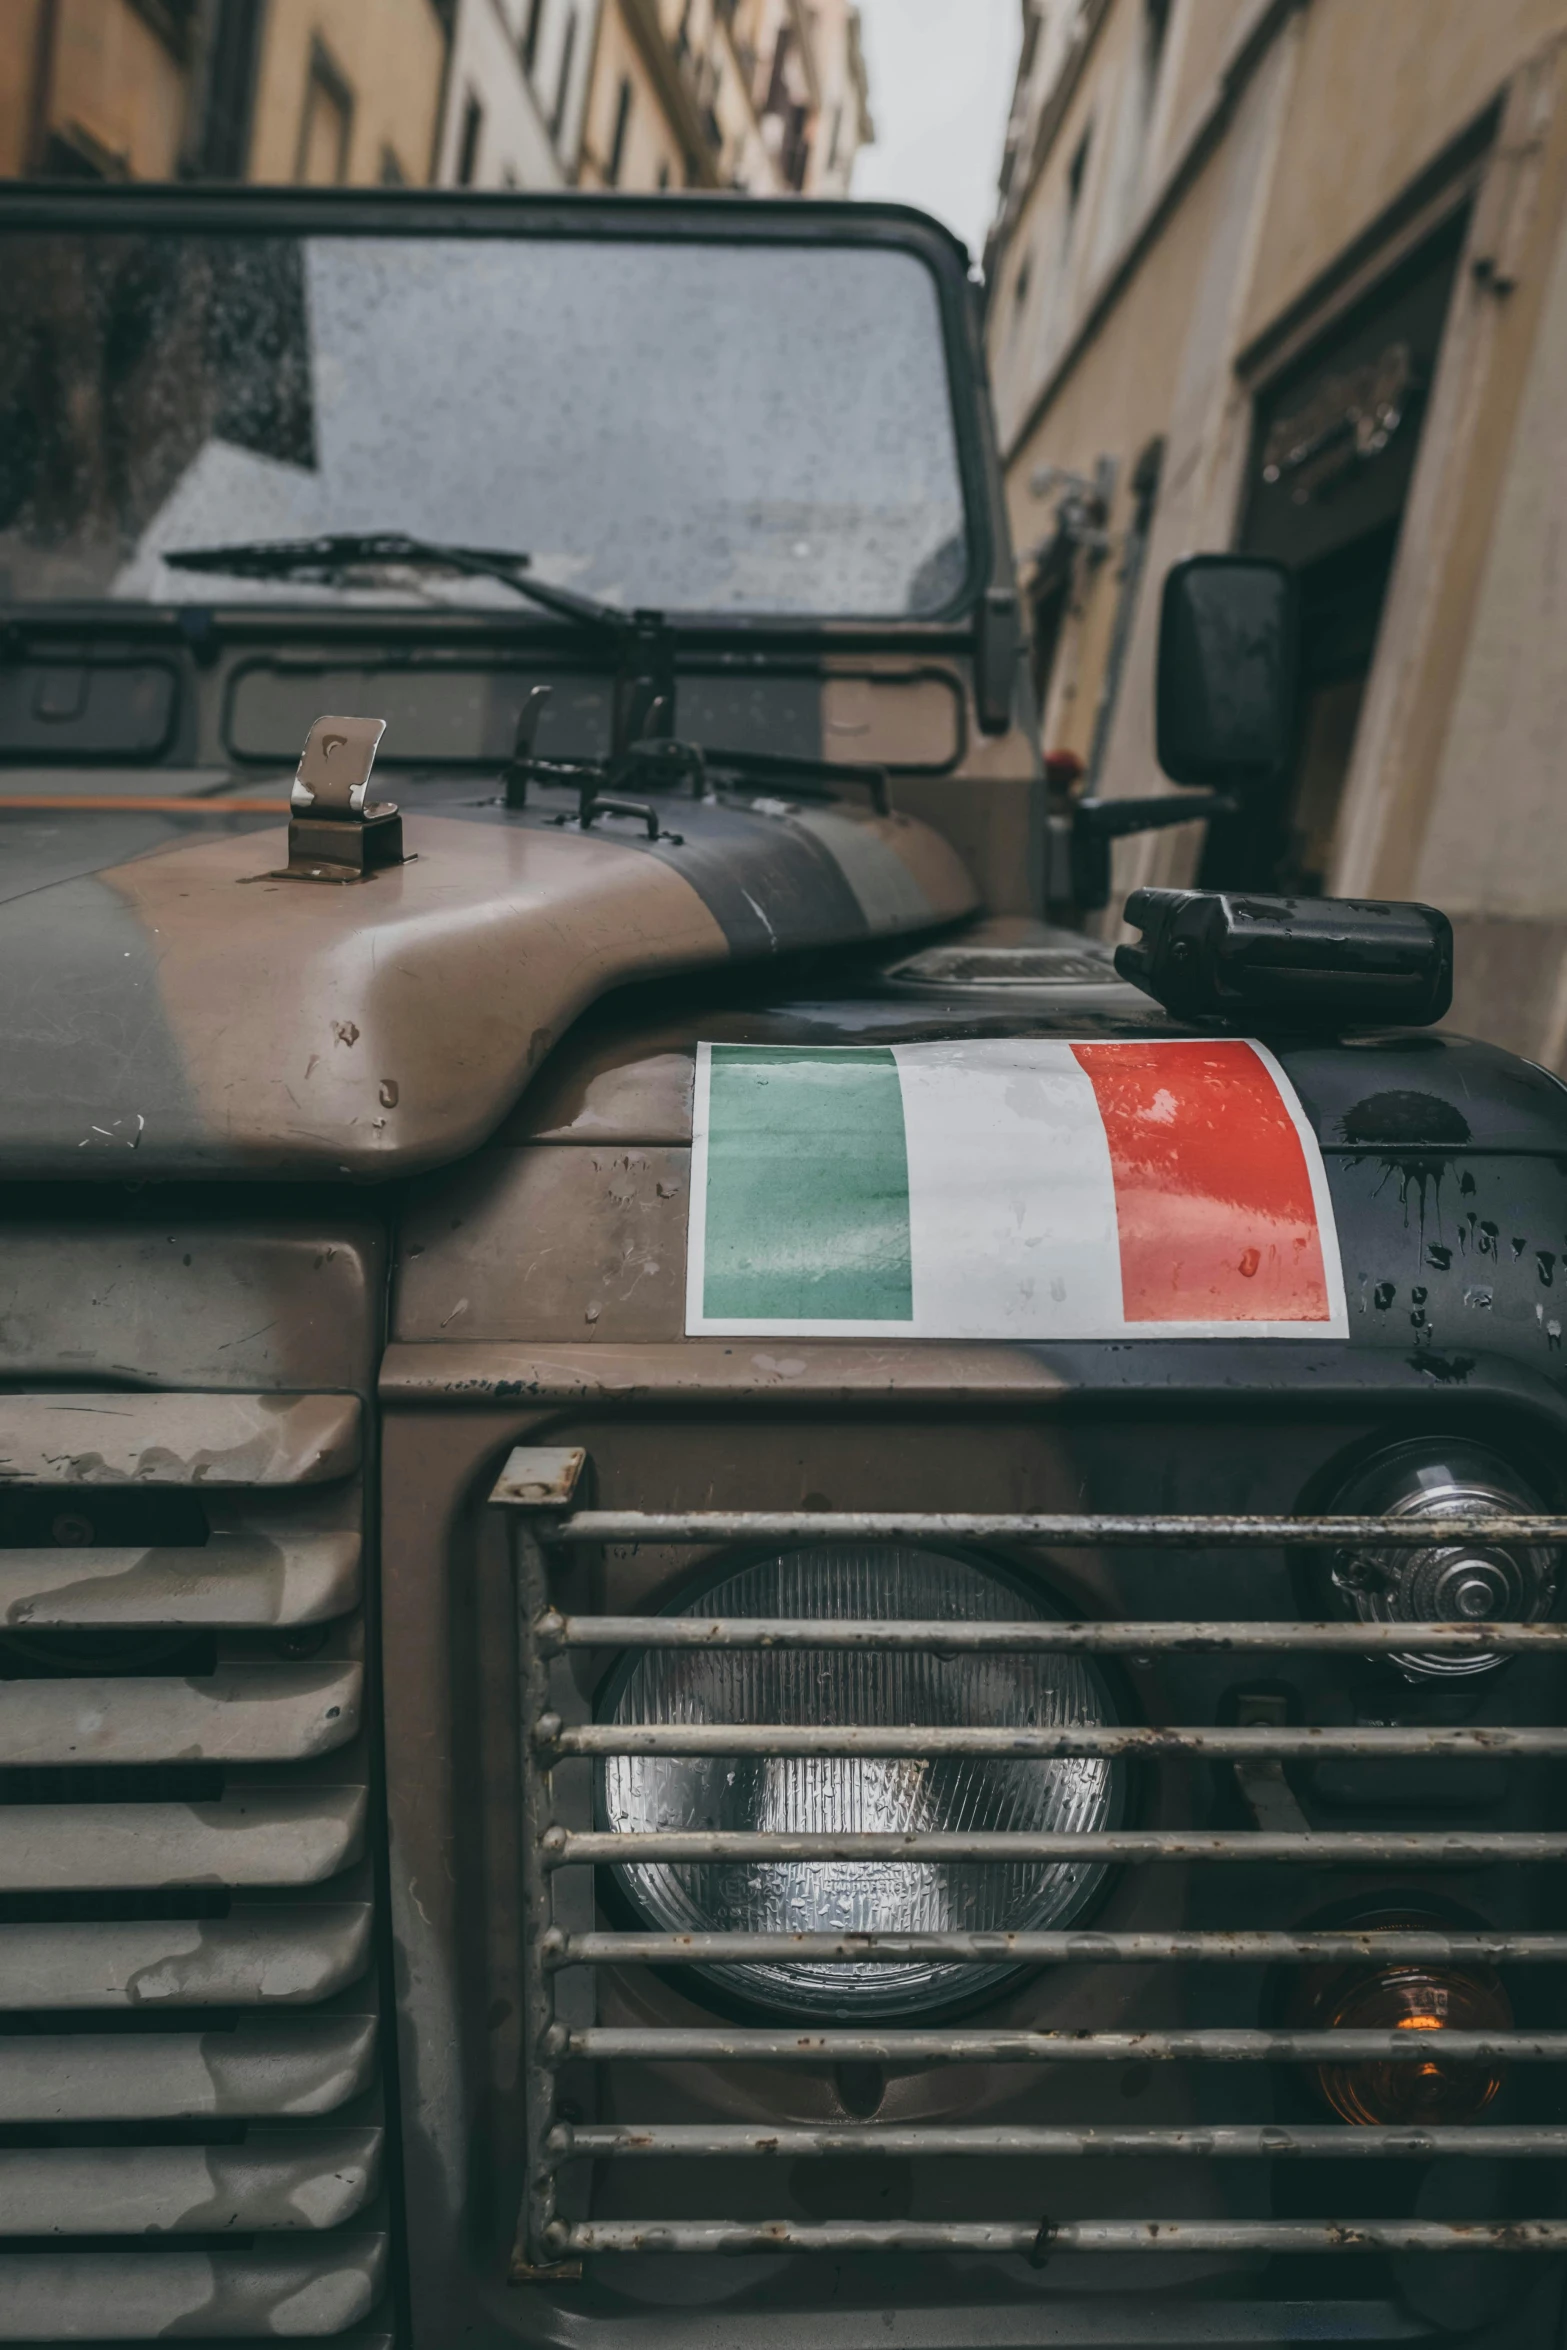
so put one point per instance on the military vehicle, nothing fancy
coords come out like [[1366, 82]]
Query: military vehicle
[[742, 1600]]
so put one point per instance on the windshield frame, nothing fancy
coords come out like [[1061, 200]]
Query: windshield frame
[[713, 219]]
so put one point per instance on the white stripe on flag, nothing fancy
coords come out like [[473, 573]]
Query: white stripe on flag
[[1011, 1201]]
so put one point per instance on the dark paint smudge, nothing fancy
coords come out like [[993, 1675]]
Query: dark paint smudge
[[1405, 1117]]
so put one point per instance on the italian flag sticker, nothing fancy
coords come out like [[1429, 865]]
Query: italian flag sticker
[[1025, 1189]]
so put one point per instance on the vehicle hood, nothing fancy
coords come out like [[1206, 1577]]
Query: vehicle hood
[[175, 1008]]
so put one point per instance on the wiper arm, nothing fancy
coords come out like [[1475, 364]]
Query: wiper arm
[[326, 561], [645, 681]]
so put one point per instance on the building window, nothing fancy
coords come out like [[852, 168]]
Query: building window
[[1156, 30], [1076, 173], [172, 21], [568, 49], [234, 41], [530, 36], [326, 123], [617, 144], [468, 143]]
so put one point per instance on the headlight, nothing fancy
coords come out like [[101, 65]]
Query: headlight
[[856, 1794], [1462, 1582]]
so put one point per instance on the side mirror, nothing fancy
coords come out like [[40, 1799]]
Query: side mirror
[[1228, 657]]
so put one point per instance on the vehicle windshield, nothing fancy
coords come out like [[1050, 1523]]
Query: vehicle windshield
[[702, 427]]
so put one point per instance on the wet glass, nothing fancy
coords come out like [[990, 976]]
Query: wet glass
[[807, 1794], [700, 427]]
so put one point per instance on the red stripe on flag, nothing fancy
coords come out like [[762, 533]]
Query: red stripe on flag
[[1212, 1192]]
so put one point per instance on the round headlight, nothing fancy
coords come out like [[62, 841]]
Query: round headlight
[[854, 1794], [1460, 1582]]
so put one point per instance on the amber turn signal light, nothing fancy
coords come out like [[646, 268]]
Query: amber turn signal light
[[1413, 2091]]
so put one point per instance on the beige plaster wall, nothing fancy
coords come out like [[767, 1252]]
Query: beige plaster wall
[[1380, 90], [392, 57], [1495, 839], [650, 144], [19, 21], [115, 79]]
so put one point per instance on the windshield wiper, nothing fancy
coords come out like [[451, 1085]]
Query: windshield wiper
[[325, 562], [644, 700]]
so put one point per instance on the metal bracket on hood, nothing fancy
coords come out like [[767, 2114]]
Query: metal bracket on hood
[[336, 832]]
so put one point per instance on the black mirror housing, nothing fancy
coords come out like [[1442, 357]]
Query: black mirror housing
[[1228, 658]]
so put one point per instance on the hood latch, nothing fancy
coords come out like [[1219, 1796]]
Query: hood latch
[[336, 832]]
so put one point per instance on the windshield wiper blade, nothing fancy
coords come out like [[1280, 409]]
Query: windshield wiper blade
[[644, 699], [325, 562]]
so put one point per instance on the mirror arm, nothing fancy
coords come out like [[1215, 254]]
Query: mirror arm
[[1096, 823]]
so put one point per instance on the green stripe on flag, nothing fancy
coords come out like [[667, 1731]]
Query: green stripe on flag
[[807, 1186]]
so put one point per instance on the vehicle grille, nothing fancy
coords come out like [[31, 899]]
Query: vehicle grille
[[562, 1957], [190, 2108]]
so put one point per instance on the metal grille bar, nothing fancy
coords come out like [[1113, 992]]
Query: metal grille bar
[[705, 2044], [1081, 1530], [1080, 1738], [1349, 1848], [1082, 2235], [554, 1631], [538, 1484], [1064, 1948], [887, 2140]]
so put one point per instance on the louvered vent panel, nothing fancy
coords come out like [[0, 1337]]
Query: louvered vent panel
[[191, 2121]]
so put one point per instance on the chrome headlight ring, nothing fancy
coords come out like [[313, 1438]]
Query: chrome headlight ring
[[1460, 1581]]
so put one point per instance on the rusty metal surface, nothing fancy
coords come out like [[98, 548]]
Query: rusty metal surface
[[275, 2180], [540, 1476], [118, 1438], [891, 1740], [290, 2066], [541, 2028], [240, 1713], [254, 1957], [716, 2044], [1184, 1638], [697, 1370], [282, 1836], [1344, 1848], [286, 2292], [561, 1740], [885, 2141], [1044, 2238], [251, 1579], [1060, 1947], [1077, 1530]]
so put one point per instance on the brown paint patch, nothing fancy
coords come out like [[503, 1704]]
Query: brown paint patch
[[447, 967]]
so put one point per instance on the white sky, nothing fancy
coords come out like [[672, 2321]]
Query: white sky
[[941, 82]]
